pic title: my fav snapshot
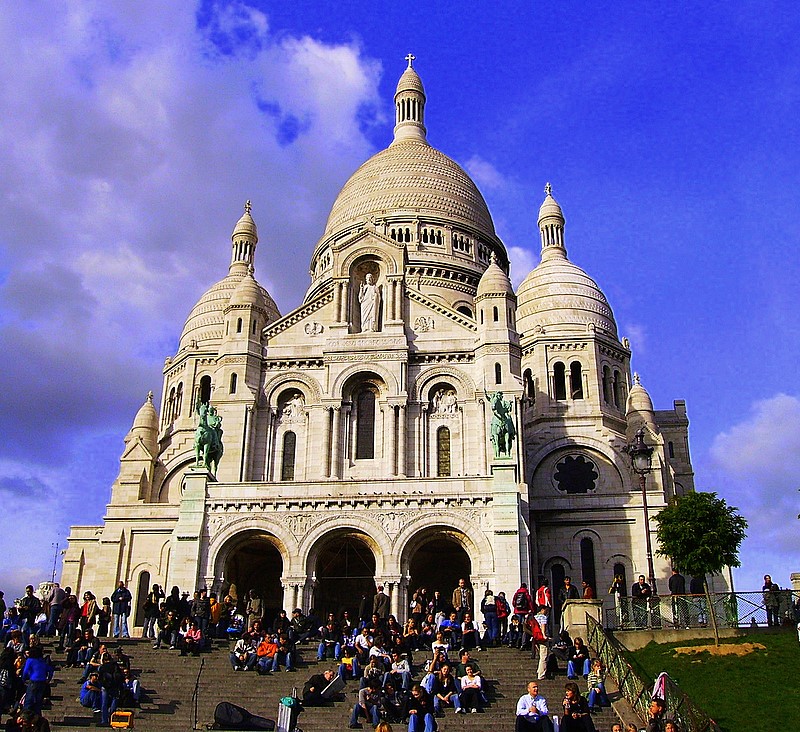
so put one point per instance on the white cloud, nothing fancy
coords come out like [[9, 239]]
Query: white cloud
[[522, 262], [755, 467], [484, 173], [637, 335]]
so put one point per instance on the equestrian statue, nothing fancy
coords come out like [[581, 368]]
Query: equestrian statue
[[208, 438]]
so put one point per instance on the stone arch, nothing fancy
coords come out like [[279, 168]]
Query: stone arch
[[367, 252], [577, 442], [420, 389], [288, 380], [172, 484], [140, 579], [230, 535], [346, 377], [468, 533], [372, 532]]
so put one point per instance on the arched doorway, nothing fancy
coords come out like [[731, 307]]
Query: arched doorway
[[255, 563], [344, 568], [437, 563], [142, 590]]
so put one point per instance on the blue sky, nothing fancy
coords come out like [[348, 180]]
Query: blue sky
[[130, 135]]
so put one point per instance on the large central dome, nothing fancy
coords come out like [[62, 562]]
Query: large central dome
[[410, 177]]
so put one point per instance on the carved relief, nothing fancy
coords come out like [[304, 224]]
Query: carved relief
[[392, 522], [299, 524], [423, 324], [293, 410], [313, 329], [444, 402]]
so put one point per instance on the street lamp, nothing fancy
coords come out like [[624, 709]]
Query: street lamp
[[642, 461]]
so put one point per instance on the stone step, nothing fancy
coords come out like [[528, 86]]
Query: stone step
[[169, 682]]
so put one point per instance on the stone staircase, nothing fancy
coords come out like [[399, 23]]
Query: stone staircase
[[168, 682]]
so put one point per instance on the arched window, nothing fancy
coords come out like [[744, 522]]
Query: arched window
[[205, 390], [239, 325], [606, 385], [464, 310], [671, 449], [498, 374], [575, 380], [617, 388], [234, 381], [443, 452], [179, 400], [587, 563], [289, 449], [619, 571], [365, 425], [495, 314], [559, 381], [527, 385], [254, 326], [481, 316], [171, 405]]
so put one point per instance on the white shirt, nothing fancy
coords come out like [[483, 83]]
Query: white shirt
[[531, 706]]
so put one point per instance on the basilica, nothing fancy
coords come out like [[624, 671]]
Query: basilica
[[412, 421]]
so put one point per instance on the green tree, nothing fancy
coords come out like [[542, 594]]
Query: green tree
[[701, 534]]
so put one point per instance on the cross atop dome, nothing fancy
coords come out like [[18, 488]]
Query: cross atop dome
[[411, 58], [548, 189], [248, 207]]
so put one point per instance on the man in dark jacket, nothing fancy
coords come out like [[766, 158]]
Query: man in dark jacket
[[120, 609], [29, 607]]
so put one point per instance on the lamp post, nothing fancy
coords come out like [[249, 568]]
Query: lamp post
[[642, 461]]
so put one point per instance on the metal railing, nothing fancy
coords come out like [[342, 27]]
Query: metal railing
[[730, 609], [635, 686]]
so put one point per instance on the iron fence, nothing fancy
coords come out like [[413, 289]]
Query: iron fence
[[635, 686], [730, 609]]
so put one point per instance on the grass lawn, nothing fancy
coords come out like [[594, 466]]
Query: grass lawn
[[757, 692]]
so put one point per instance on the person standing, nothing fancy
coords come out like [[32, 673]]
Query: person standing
[[120, 609], [641, 593], [56, 601], [677, 588], [532, 712], [522, 602], [380, 604], [489, 610], [771, 601], [463, 599], [29, 608]]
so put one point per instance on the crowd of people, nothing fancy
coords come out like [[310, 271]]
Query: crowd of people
[[410, 673]]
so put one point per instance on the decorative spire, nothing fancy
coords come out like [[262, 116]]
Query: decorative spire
[[551, 227], [243, 241], [150, 396], [409, 105], [492, 258], [636, 379]]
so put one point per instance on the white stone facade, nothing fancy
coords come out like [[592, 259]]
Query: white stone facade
[[356, 427]]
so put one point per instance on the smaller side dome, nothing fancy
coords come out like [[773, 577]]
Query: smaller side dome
[[410, 81], [145, 425], [550, 208], [248, 292], [494, 281], [638, 398]]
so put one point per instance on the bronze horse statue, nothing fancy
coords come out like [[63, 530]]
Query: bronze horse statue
[[208, 438]]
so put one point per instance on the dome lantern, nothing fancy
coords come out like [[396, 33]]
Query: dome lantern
[[551, 227], [243, 242], [409, 105]]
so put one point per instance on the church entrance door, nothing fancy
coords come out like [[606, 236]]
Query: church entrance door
[[255, 563], [438, 562], [345, 574]]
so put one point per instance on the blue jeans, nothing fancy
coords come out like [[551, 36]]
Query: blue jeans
[[425, 724], [91, 699], [437, 703], [325, 649], [344, 673], [571, 669], [493, 625], [372, 713], [599, 698], [108, 707], [34, 695], [55, 611], [121, 626]]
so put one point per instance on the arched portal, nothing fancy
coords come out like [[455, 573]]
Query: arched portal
[[437, 563], [345, 573], [255, 563]]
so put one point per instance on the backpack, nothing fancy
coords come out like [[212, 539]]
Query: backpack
[[520, 601]]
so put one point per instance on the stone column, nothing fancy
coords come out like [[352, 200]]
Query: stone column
[[401, 441], [392, 425], [482, 433], [337, 302], [325, 447], [187, 535], [335, 446], [249, 416]]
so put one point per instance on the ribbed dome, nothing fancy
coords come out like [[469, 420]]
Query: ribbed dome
[[410, 81], [494, 280], [146, 418], [206, 321], [638, 398], [550, 208], [245, 226], [559, 293], [249, 292], [410, 177]]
